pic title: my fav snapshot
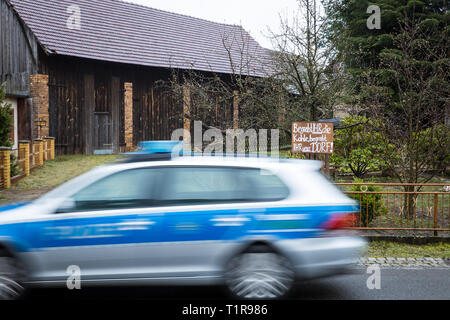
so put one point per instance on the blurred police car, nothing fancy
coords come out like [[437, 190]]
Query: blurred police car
[[255, 225]]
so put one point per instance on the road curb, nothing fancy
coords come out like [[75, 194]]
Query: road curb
[[405, 262]]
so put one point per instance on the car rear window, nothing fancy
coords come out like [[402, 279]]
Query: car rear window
[[196, 185]]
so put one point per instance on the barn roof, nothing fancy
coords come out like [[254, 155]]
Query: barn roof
[[117, 31]]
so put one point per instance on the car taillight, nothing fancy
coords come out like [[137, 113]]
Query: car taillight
[[340, 221]]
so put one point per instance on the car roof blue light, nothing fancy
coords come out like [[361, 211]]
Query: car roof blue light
[[166, 146]]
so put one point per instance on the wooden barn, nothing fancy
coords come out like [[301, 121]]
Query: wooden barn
[[85, 71]]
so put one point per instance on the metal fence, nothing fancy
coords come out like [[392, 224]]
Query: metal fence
[[396, 206]]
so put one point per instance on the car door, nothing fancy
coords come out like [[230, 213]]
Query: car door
[[101, 232], [208, 216]]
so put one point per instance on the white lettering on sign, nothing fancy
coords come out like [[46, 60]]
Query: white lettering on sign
[[312, 137]]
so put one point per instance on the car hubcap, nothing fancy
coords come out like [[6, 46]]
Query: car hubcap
[[10, 287], [259, 276]]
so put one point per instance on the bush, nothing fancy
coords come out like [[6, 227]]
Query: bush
[[6, 122], [356, 148], [15, 170], [371, 204], [291, 155], [5, 119]]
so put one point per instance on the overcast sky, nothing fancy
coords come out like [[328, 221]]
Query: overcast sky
[[254, 15]]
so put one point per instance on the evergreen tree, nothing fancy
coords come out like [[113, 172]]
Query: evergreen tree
[[362, 48], [400, 77], [5, 119]]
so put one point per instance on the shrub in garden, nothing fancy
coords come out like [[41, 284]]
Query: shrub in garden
[[357, 149], [5, 118], [291, 155], [371, 205], [15, 170], [5, 128]]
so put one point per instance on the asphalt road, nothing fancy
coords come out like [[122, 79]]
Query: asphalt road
[[396, 284]]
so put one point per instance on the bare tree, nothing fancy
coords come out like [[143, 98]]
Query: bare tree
[[299, 80], [253, 85], [307, 61], [212, 98]]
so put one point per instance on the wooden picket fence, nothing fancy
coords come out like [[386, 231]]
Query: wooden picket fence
[[29, 155]]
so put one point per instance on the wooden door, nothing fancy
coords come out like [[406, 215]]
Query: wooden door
[[102, 133]]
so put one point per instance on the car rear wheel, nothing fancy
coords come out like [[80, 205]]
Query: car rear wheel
[[10, 279], [259, 274]]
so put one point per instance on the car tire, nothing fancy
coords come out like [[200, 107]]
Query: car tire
[[11, 277], [259, 273]]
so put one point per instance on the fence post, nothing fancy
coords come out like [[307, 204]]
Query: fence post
[[25, 145], [435, 214], [51, 147], [44, 149], [41, 152], [34, 154], [38, 143], [5, 155]]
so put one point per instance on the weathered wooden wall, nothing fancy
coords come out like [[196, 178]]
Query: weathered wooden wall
[[82, 91], [19, 52], [66, 103], [156, 113]]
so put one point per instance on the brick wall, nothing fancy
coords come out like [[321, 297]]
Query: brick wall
[[128, 115], [39, 94]]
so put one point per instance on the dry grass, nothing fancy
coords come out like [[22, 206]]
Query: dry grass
[[52, 174], [403, 250], [60, 170]]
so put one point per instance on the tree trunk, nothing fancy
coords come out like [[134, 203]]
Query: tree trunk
[[409, 203]]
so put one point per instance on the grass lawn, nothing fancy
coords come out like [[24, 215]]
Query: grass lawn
[[60, 170], [380, 249], [53, 173]]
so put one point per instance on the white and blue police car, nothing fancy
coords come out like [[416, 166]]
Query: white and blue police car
[[254, 225]]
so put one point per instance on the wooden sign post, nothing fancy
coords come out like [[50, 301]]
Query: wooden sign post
[[313, 138]]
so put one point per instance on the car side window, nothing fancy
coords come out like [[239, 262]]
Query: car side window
[[266, 186], [126, 189], [203, 185]]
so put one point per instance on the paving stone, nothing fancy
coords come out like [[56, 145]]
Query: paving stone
[[405, 262], [390, 259]]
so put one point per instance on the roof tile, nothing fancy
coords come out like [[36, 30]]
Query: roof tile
[[118, 31]]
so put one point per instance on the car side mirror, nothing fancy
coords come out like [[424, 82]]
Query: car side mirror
[[66, 205]]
